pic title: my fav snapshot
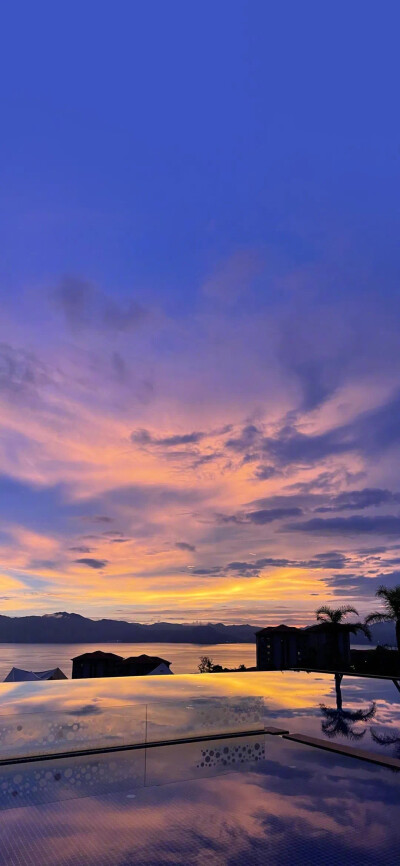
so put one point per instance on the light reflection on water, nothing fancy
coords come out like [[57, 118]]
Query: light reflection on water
[[184, 658], [358, 708], [296, 806]]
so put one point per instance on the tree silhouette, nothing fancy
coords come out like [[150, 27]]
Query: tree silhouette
[[333, 618], [391, 611], [206, 665], [340, 721]]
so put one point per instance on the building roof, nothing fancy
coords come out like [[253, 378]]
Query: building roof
[[98, 654], [274, 628], [18, 675], [318, 627], [141, 665], [328, 626]]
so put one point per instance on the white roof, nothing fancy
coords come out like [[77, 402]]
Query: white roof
[[18, 675]]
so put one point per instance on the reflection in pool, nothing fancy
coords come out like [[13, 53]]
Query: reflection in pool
[[110, 711], [340, 721], [281, 804]]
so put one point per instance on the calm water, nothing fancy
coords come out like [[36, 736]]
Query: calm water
[[357, 710], [256, 802], [184, 658]]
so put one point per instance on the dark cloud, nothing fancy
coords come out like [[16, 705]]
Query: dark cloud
[[325, 561], [145, 501], [96, 518], [264, 472], [21, 372], [355, 525], [84, 306], [81, 549], [184, 439], [204, 459], [245, 440], [47, 564], [143, 437], [183, 545], [92, 563], [323, 345], [355, 584], [324, 482], [370, 434], [331, 559], [290, 446], [359, 499], [260, 517], [267, 515]]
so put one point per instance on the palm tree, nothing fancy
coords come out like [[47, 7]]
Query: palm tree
[[334, 619], [340, 721], [388, 739], [391, 611]]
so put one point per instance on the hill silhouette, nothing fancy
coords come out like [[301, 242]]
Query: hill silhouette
[[63, 627]]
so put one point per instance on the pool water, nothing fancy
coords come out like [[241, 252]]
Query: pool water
[[53, 716], [240, 802]]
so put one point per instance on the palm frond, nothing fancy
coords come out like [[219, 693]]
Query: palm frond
[[334, 616], [385, 739], [372, 618], [383, 592], [391, 599], [347, 609], [324, 613], [354, 627]]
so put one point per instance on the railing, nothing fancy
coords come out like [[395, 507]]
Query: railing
[[99, 727]]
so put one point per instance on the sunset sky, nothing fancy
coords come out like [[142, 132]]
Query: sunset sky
[[200, 309]]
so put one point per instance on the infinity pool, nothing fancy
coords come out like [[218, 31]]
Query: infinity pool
[[75, 714], [247, 800]]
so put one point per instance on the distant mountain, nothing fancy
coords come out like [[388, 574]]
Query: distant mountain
[[65, 627], [382, 633]]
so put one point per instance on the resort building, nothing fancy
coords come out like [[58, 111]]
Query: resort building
[[140, 666], [102, 664], [318, 646]]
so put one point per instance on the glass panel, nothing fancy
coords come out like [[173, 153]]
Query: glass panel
[[203, 717], [89, 727], [47, 781], [99, 727], [166, 764]]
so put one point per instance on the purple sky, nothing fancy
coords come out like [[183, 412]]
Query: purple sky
[[200, 309]]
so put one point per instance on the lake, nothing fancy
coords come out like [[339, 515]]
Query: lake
[[184, 658]]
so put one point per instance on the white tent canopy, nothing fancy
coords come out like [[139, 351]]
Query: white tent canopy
[[18, 675]]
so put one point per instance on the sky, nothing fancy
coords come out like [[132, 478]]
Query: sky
[[200, 308]]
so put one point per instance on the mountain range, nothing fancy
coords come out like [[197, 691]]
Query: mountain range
[[65, 627]]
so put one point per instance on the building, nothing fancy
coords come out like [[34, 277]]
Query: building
[[101, 664], [277, 648], [140, 666], [95, 664], [18, 675], [324, 646], [317, 646]]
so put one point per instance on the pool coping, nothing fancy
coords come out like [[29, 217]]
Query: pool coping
[[302, 739]]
